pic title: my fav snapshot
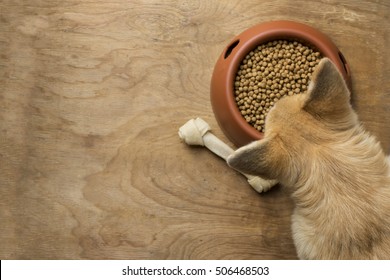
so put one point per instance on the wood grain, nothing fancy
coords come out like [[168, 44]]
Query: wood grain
[[92, 95]]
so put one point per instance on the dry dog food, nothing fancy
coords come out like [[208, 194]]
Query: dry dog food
[[269, 72]]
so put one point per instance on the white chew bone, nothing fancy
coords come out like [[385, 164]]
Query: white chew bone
[[197, 132]]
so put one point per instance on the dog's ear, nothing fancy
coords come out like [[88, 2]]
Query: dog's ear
[[259, 158], [328, 95]]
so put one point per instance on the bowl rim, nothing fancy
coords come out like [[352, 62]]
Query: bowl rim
[[248, 41]]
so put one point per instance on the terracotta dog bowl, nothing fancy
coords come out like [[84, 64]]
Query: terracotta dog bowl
[[222, 96]]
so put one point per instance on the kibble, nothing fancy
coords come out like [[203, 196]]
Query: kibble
[[268, 73]]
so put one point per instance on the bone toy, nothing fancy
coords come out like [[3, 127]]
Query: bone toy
[[197, 132]]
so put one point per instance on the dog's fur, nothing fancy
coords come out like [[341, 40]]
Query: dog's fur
[[338, 174]]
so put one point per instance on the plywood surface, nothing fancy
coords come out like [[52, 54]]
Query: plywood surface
[[92, 94]]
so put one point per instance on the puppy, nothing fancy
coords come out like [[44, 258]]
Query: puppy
[[337, 173]]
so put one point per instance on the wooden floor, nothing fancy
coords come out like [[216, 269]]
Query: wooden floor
[[92, 94]]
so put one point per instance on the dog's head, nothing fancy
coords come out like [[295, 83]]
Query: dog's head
[[297, 125]]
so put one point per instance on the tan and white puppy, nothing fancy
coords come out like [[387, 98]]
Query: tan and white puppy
[[338, 174]]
